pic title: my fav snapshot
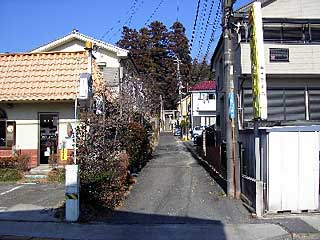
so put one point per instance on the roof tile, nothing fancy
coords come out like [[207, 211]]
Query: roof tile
[[204, 85], [43, 76]]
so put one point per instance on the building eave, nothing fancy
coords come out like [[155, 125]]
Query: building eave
[[122, 53]]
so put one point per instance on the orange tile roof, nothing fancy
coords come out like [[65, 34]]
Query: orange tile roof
[[43, 76]]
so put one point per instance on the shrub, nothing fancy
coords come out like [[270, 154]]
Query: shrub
[[23, 162], [106, 186], [8, 162], [135, 139], [20, 162], [10, 175], [57, 175], [103, 166], [53, 160]]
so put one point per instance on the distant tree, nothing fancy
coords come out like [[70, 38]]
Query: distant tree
[[154, 50], [200, 71]]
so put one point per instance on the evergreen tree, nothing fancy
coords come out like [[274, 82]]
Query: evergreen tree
[[154, 50], [200, 72]]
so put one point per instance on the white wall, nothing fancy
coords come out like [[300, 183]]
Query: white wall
[[303, 59], [110, 58], [306, 9], [27, 123], [202, 105]]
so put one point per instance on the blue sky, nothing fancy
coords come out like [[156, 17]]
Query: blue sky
[[25, 25]]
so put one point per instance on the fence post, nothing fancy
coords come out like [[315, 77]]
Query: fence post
[[72, 193]]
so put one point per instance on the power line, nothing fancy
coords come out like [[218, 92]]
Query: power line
[[133, 11], [199, 31], [118, 22], [205, 29], [215, 26], [128, 21], [194, 25], [154, 12], [178, 9]]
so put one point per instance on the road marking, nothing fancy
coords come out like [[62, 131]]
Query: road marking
[[11, 190]]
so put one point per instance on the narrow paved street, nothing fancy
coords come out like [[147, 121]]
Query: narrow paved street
[[174, 188], [30, 202], [174, 198]]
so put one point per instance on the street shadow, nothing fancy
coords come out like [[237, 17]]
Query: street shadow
[[119, 225], [124, 217]]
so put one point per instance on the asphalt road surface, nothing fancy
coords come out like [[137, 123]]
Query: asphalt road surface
[[30, 202], [174, 188]]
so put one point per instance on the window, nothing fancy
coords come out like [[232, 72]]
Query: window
[[293, 33], [212, 96], [283, 104], [203, 96], [272, 34], [315, 33], [7, 130]]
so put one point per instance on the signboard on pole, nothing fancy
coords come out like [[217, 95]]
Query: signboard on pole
[[85, 86], [258, 71]]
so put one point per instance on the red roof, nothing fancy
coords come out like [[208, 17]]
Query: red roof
[[204, 85]]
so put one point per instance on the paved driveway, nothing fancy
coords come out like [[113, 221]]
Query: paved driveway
[[34, 202], [174, 188]]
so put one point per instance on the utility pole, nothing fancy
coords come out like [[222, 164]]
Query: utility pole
[[161, 115], [230, 104], [179, 83]]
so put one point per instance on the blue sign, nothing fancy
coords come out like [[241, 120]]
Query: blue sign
[[231, 105]]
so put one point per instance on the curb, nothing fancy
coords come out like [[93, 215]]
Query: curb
[[306, 236], [283, 237]]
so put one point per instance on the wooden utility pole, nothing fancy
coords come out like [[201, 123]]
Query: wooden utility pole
[[230, 106]]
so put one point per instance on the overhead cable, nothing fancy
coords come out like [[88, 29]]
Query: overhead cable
[[194, 25], [215, 26], [154, 12], [203, 35], [118, 22]]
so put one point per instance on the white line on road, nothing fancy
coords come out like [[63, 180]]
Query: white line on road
[[11, 190]]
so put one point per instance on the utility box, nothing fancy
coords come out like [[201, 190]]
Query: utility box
[[293, 168], [72, 193]]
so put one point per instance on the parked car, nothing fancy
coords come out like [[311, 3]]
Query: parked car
[[177, 131], [197, 140], [197, 131]]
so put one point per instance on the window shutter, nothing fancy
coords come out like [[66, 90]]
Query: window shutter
[[314, 104], [111, 75]]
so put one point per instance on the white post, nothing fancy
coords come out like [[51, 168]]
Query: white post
[[259, 183], [72, 193]]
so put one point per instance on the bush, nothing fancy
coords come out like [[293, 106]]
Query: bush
[[57, 175], [53, 160], [23, 162], [10, 175], [103, 166], [8, 162], [135, 139], [105, 187], [20, 162]]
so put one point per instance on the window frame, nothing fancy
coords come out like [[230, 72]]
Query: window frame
[[13, 123]]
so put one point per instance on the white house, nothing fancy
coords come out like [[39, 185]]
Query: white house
[[203, 103], [288, 167], [37, 101], [114, 62]]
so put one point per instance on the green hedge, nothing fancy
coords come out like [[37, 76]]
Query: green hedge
[[10, 175]]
